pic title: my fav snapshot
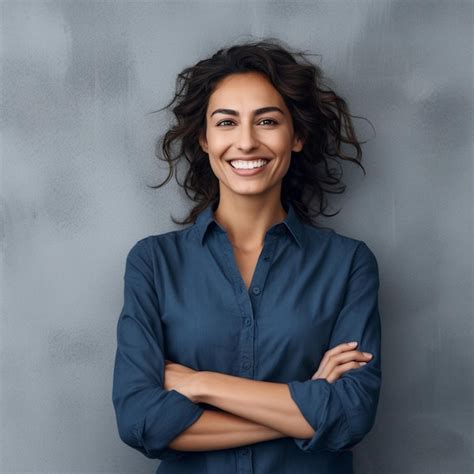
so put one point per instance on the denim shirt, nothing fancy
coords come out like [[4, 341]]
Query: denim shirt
[[185, 300]]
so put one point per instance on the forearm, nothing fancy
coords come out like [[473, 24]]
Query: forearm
[[221, 430], [266, 403]]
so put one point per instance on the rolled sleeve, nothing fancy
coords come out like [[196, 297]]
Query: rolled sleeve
[[343, 412], [148, 417]]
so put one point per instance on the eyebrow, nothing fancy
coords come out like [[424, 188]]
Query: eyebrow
[[262, 110]]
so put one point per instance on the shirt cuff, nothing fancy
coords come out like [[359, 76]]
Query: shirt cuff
[[319, 403], [164, 422]]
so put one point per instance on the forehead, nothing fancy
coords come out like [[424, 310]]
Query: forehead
[[245, 89]]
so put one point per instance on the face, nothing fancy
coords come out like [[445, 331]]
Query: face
[[238, 129]]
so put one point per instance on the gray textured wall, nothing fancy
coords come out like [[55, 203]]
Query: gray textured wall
[[78, 79]]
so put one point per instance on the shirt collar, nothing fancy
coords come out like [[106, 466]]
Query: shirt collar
[[291, 222]]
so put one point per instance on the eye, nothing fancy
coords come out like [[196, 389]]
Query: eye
[[223, 121], [274, 122]]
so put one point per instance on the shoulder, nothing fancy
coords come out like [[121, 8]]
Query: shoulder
[[338, 244], [153, 244], [361, 256]]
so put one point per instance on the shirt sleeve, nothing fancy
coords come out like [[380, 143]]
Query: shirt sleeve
[[343, 412], [148, 417]]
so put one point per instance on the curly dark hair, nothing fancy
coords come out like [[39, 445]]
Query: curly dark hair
[[320, 116]]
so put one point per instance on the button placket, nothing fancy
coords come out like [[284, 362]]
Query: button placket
[[244, 461], [248, 300], [254, 295]]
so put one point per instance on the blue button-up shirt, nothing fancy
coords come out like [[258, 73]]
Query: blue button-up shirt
[[185, 300]]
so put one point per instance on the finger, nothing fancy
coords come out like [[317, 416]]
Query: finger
[[345, 346], [351, 355], [324, 371], [340, 348], [342, 369], [336, 360]]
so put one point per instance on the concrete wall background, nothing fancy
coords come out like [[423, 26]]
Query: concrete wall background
[[78, 79]]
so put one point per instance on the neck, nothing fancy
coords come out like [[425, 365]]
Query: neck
[[247, 219]]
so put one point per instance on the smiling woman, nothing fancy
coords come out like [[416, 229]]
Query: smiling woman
[[223, 92], [255, 142], [239, 344]]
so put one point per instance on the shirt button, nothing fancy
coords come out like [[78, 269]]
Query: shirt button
[[245, 452], [246, 365], [256, 290], [248, 322]]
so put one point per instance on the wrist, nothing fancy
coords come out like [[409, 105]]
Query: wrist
[[199, 386]]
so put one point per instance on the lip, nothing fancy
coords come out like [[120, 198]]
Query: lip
[[248, 172], [249, 158]]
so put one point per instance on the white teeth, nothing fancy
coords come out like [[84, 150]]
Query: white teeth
[[245, 164]]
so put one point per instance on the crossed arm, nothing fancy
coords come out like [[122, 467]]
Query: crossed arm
[[254, 411], [150, 414]]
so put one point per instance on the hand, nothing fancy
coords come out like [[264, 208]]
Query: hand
[[180, 378], [338, 360]]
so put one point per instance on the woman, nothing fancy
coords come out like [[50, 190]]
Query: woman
[[249, 342]]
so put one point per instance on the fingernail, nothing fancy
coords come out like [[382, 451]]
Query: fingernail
[[354, 343], [367, 354], [363, 363]]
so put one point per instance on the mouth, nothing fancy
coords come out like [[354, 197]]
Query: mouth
[[247, 164], [249, 167]]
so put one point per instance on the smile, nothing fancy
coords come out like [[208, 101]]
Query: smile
[[246, 164], [248, 168]]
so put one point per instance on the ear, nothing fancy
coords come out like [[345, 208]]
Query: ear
[[298, 143], [203, 142]]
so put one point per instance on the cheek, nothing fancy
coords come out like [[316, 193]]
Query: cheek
[[280, 171], [217, 143], [216, 167], [286, 167]]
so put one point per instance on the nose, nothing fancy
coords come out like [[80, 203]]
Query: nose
[[246, 139]]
